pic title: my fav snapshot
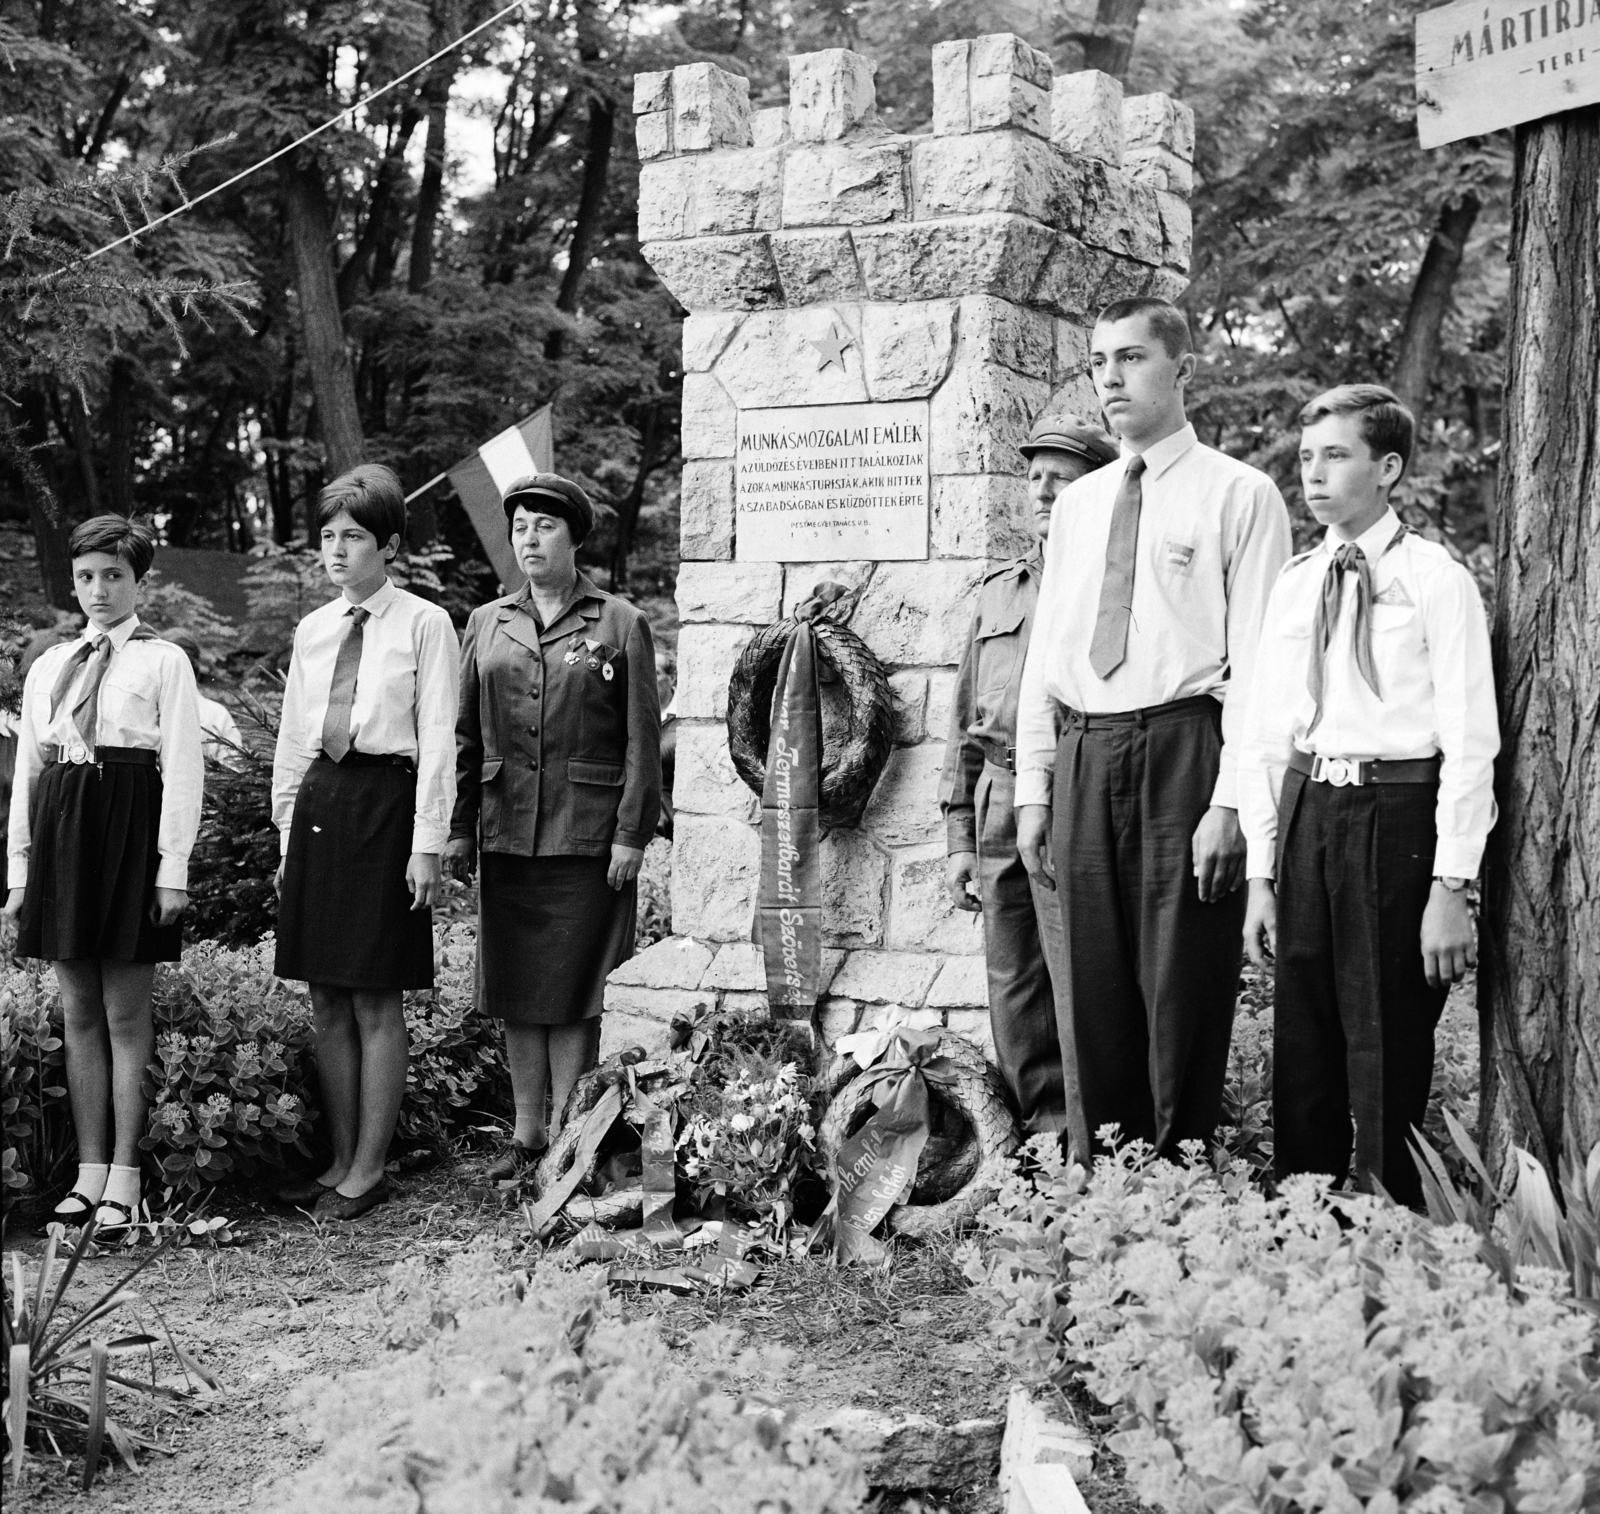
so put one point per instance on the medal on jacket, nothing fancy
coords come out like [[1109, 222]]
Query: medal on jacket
[[594, 661], [572, 650], [606, 673]]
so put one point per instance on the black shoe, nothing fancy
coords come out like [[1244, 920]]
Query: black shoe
[[109, 1232], [512, 1161], [77, 1216], [334, 1205], [302, 1193]]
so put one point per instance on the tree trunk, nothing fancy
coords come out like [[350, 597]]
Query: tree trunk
[[1539, 985], [1430, 303], [119, 431], [430, 193], [50, 527], [321, 326], [628, 511], [1108, 43], [591, 206]]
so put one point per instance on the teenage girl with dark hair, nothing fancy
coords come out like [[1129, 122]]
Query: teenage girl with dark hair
[[104, 811]]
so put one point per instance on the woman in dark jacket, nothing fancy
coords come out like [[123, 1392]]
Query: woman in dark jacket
[[558, 758]]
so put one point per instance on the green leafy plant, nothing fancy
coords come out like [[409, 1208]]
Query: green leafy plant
[[60, 1370], [32, 1085], [1302, 1351]]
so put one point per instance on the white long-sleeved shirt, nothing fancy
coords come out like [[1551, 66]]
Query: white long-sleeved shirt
[[1430, 646], [405, 703], [1213, 534], [147, 699]]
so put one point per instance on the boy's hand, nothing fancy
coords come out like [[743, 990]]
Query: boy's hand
[[422, 878], [460, 858], [1449, 939], [1218, 853], [14, 903], [1033, 843], [1261, 922], [960, 870], [169, 905], [277, 877]]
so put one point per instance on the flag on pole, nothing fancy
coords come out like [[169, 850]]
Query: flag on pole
[[481, 479]]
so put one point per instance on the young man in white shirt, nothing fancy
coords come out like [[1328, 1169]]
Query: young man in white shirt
[[1366, 794], [1156, 573]]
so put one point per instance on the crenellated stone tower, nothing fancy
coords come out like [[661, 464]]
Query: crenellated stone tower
[[945, 282]]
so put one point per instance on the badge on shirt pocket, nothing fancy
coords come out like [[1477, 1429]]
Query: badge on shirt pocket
[[1177, 556]]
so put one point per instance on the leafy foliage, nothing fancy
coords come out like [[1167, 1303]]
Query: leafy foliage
[[32, 1074]]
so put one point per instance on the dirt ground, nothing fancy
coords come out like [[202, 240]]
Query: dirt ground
[[291, 1298]]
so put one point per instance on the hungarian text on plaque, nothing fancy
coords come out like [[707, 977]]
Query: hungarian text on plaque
[[829, 483]]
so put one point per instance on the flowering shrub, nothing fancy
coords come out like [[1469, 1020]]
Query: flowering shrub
[[32, 1081], [547, 1398], [1297, 1352]]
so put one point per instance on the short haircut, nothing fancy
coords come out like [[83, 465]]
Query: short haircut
[[371, 496], [1386, 425], [1170, 325], [117, 536]]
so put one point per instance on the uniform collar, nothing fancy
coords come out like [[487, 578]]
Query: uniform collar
[[1167, 451], [583, 607], [118, 635], [1373, 542], [1030, 562], [376, 602]]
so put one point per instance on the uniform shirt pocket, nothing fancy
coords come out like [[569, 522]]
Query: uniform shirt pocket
[[594, 788], [128, 703], [998, 640], [491, 802]]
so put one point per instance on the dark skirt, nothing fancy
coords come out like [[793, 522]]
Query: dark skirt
[[92, 866], [344, 915], [549, 931]]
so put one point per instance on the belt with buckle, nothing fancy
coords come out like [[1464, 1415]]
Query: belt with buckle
[[1356, 772], [355, 759], [1001, 755], [77, 753], [1089, 721]]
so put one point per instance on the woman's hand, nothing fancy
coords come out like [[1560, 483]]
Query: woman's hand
[[461, 858], [422, 878], [1261, 922], [14, 903], [625, 863], [170, 903]]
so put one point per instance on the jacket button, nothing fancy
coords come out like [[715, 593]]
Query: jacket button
[[533, 730], [535, 693]]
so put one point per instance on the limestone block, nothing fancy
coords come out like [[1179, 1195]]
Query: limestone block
[[716, 864], [1123, 279], [980, 515], [969, 175], [984, 254], [747, 1003], [677, 962], [1157, 120], [1167, 284], [706, 655], [1119, 214], [887, 978], [846, 184], [1037, 1441], [941, 700], [922, 917], [830, 92], [1086, 115], [979, 418], [652, 135], [800, 579], [738, 965], [907, 347], [1076, 396], [1177, 230], [704, 337], [837, 1017], [710, 420], [718, 273], [997, 331], [910, 694], [1071, 278], [916, 614], [1071, 354], [973, 1025], [773, 359], [1000, 53], [875, 1015], [668, 198], [620, 1030], [952, 105], [1161, 169], [903, 1451], [710, 108], [705, 511], [734, 591], [817, 267], [770, 127], [854, 877], [652, 92], [705, 781], [904, 810], [738, 191], [963, 983], [1009, 100], [656, 1003]]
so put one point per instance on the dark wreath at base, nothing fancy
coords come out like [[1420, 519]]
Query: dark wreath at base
[[852, 766]]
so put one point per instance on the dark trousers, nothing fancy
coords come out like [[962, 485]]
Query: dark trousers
[[1354, 1015], [1024, 950], [1153, 972]]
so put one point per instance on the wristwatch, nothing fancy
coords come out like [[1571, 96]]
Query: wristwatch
[[1455, 885]]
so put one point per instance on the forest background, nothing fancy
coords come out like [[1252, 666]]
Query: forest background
[[396, 310]]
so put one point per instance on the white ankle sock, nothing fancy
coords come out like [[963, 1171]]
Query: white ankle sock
[[122, 1187], [90, 1184]]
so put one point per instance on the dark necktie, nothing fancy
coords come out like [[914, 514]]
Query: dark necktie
[[342, 691], [86, 707], [1110, 644], [1348, 559]]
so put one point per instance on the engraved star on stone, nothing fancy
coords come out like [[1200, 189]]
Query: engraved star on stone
[[831, 347]]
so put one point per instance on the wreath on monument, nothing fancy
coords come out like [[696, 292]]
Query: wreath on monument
[[858, 733]]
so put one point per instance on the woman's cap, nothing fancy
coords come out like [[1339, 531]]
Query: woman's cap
[[550, 494], [1066, 433]]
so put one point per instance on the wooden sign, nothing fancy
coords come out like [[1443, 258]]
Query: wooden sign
[[1487, 64]]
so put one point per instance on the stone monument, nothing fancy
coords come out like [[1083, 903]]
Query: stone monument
[[875, 321]]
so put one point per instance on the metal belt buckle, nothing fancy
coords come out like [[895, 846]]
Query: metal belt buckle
[[77, 752], [1340, 771]]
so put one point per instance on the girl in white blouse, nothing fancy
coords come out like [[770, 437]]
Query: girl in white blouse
[[104, 810]]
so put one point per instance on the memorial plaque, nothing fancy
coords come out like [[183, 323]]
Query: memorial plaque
[[833, 483]]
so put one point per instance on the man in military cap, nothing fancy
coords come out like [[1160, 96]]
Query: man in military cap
[[1022, 931]]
